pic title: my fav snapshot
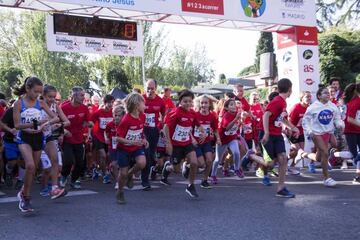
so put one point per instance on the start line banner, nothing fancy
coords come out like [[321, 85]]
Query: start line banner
[[287, 12]]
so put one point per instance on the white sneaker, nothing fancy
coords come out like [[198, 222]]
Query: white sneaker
[[329, 182], [344, 165]]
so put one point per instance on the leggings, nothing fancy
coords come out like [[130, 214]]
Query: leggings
[[73, 155], [220, 149]]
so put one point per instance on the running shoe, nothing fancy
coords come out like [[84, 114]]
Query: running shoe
[[24, 203], [259, 173], [214, 180], [239, 173], [106, 179], [329, 182], [95, 174], [120, 199], [311, 167], [62, 181], [292, 171], [146, 186], [130, 181], [75, 185], [153, 173], [165, 173], [8, 180], [45, 192], [284, 193], [205, 184], [185, 170], [274, 172], [57, 193], [165, 182], [266, 181], [18, 184], [191, 191], [226, 173], [116, 186], [356, 180]]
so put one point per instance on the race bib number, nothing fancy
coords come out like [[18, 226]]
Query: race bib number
[[181, 134], [114, 143], [279, 120], [206, 128], [150, 120], [104, 122], [134, 135], [232, 131], [161, 142]]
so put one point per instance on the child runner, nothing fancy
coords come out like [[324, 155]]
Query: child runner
[[228, 131], [131, 143], [204, 150], [110, 136], [319, 123], [178, 127], [273, 142], [27, 119], [99, 119], [352, 124]]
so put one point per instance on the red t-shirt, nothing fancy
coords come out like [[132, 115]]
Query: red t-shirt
[[244, 104], [93, 108], [2, 111], [110, 131], [278, 109], [77, 116], [153, 108], [296, 115], [247, 127], [169, 105], [353, 110], [180, 123], [131, 128], [231, 134], [100, 118], [209, 123]]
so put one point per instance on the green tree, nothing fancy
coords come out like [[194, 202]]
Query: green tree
[[247, 70], [340, 55], [9, 78], [222, 78]]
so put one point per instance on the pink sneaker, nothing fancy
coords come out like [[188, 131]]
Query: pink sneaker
[[58, 192], [239, 173], [214, 180], [226, 173]]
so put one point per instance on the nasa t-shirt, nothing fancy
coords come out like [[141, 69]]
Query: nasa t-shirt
[[277, 107]]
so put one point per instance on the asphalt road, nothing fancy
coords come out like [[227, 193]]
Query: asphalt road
[[234, 209]]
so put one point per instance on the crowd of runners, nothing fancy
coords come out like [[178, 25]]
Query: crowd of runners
[[150, 137]]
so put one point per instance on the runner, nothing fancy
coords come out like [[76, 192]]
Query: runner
[[352, 124], [273, 142], [73, 146], [154, 112], [132, 142], [27, 119], [319, 123], [169, 105], [51, 134], [178, 127], [99, 119]]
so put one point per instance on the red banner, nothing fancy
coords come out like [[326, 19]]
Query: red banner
[[203, 6]]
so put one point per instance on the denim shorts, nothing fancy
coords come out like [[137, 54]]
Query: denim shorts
[[124, 158], [201, 149]]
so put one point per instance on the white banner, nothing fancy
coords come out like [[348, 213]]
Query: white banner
[[288, 12], [67, 43]]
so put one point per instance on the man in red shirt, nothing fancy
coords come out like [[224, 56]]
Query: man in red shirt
[[169, 104], [154, 112], [99, 119], [274, 117], [78, 115]]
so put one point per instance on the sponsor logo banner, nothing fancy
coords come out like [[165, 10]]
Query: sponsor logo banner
[[8, 2], [203, 6]]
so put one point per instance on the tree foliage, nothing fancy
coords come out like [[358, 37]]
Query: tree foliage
[[340, 55]]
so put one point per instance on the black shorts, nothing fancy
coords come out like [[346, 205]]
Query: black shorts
[[50, 138], [179, 153], [275, 145], [294, 140], [97, 144], [36, 140]]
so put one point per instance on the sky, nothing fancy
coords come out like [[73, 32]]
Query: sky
[[230, 49]]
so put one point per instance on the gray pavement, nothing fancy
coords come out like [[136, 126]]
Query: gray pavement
[[234, 209]]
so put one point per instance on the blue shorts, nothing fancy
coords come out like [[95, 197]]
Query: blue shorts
[[201, 149], [11, 151], [124, 158]]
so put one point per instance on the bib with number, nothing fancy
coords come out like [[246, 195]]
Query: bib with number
[[104, 122], [150, 119], [161, 143], [206, 127], [134, 135], [114, 142], [232, 131], [181, 134]]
